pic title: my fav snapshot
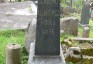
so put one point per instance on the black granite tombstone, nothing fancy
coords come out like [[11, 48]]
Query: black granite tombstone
[[85, 13], [48, 28]]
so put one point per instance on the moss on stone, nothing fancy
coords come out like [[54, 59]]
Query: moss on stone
[[88, 52], [73, 59]]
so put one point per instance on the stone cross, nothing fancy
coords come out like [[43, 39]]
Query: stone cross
[[85, 13], [48, 28]]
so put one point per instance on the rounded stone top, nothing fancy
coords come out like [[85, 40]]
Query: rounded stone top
[[68, 18], [13, 46]]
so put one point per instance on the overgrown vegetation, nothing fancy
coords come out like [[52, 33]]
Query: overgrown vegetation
[[76, 4]]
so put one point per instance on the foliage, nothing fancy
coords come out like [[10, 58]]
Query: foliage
[[78, 4], [91, 28], [63, 36], [63, 2], [24, 55]]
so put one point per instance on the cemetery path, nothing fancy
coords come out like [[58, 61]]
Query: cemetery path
[[16, 15]]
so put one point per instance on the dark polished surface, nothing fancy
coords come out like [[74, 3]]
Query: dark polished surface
[[85, 14], [48, 28]]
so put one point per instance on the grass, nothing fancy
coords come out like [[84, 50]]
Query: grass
[[91, 29], [18, 36], [80, 29], [6, 37]]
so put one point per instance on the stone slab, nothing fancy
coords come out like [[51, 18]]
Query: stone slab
[[82, 39], [43, 59], [18, 8], [16, 15], [85, 25], [47, 60], [14, 22]]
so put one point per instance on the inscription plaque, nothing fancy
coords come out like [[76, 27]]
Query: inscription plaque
[[48, 28]]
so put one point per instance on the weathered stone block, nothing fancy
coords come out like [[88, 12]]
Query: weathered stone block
[[69, 25], [13, 54], [86, 30]]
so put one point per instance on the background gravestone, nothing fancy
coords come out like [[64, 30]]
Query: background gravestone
[[85, 13], [69, 25], [48, 28], [86, 30]]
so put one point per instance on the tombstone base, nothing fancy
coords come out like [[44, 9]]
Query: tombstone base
[[43, 59], [46, 60]]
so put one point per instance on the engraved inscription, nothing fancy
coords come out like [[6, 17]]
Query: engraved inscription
[[49, 2], [48, 28], [49, 12], [47, 22], [49, 31]]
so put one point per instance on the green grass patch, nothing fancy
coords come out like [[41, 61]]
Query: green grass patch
[[91, 28], [6, 37], [18, 36], [63, 36], [80, 30]]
